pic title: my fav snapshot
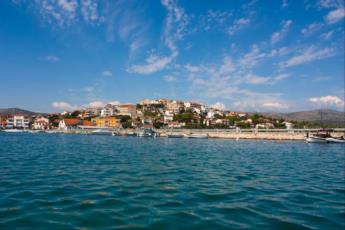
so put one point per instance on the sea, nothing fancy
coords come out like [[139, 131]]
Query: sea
[[65, 181]]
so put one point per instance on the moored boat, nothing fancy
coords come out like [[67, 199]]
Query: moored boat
[[101, 132], [336, 140], [13, 130], [197, 136], [323, 136]]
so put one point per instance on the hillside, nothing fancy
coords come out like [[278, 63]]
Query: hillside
[[11, 111], [329, 117]]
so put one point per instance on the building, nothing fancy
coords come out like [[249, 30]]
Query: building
[[288, 125], [266, 125], [168, 116], [127, 110], [18, 121], [40, 123], [91, 112], [175, 124], [108, 110], [111, 122]]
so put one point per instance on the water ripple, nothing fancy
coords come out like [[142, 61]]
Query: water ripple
[[103, 182]]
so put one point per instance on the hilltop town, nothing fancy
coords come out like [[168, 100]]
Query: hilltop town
[[159, 113]]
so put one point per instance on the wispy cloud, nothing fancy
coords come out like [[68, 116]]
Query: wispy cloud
[[89, 10], [312, 28], [308, 55], [275, 105], [238, 24], [169, 78], [335, 16], [327, 35], [61, 105], [107, 73], [277, 36], [174, 30], [51, 58]]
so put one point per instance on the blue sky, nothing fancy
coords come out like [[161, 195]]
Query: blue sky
[[242, 55]]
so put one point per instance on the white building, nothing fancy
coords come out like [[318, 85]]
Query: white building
[[40, 123], [288, 125], [108, 111], [168, 116], [18, 121]]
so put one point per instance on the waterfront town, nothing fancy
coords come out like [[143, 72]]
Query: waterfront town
[[155, 114]]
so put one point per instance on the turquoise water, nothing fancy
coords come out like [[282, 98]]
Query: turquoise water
[[54, 181]]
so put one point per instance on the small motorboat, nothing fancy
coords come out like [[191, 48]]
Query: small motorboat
[[335, 140], [323, 136], [101, 132], [147, 133], [13, 130], [198, 136]]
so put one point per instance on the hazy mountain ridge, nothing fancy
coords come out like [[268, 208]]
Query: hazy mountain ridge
[[331, 117], [11, 111]]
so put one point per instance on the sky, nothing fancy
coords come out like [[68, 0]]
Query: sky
[[261, 55]]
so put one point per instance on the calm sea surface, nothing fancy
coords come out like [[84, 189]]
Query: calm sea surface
[[54, 181]]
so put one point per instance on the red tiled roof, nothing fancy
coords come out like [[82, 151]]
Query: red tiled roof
[[72, 121], [88, 123]]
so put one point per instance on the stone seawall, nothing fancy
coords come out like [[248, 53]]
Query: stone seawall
[[249, 134]]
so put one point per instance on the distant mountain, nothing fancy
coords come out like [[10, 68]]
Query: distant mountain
[[329, 117], [11, 111]]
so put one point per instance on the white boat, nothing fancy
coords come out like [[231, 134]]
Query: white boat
[[101, 132], [324, 136], [198, 136], [335, 140], [13, 130], [314, 139]]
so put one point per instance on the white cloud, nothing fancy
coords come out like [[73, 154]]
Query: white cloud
[[308, 55], [328, 101], [95, 104], [254, 79], [107, 73], [89, 10], [61, 105], [169, 78], [238, 24], [327, 35], [330, 3], [61, 12], [261, 102], [114, 102], [277, 36], [312, 28], [52, 58], [227, 67], [174, 30], [219, 106], [275, 105], [193, 68], [335, 16], [251, 58], [153, 64]]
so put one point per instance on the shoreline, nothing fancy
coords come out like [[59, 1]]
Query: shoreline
[[244, 134]]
